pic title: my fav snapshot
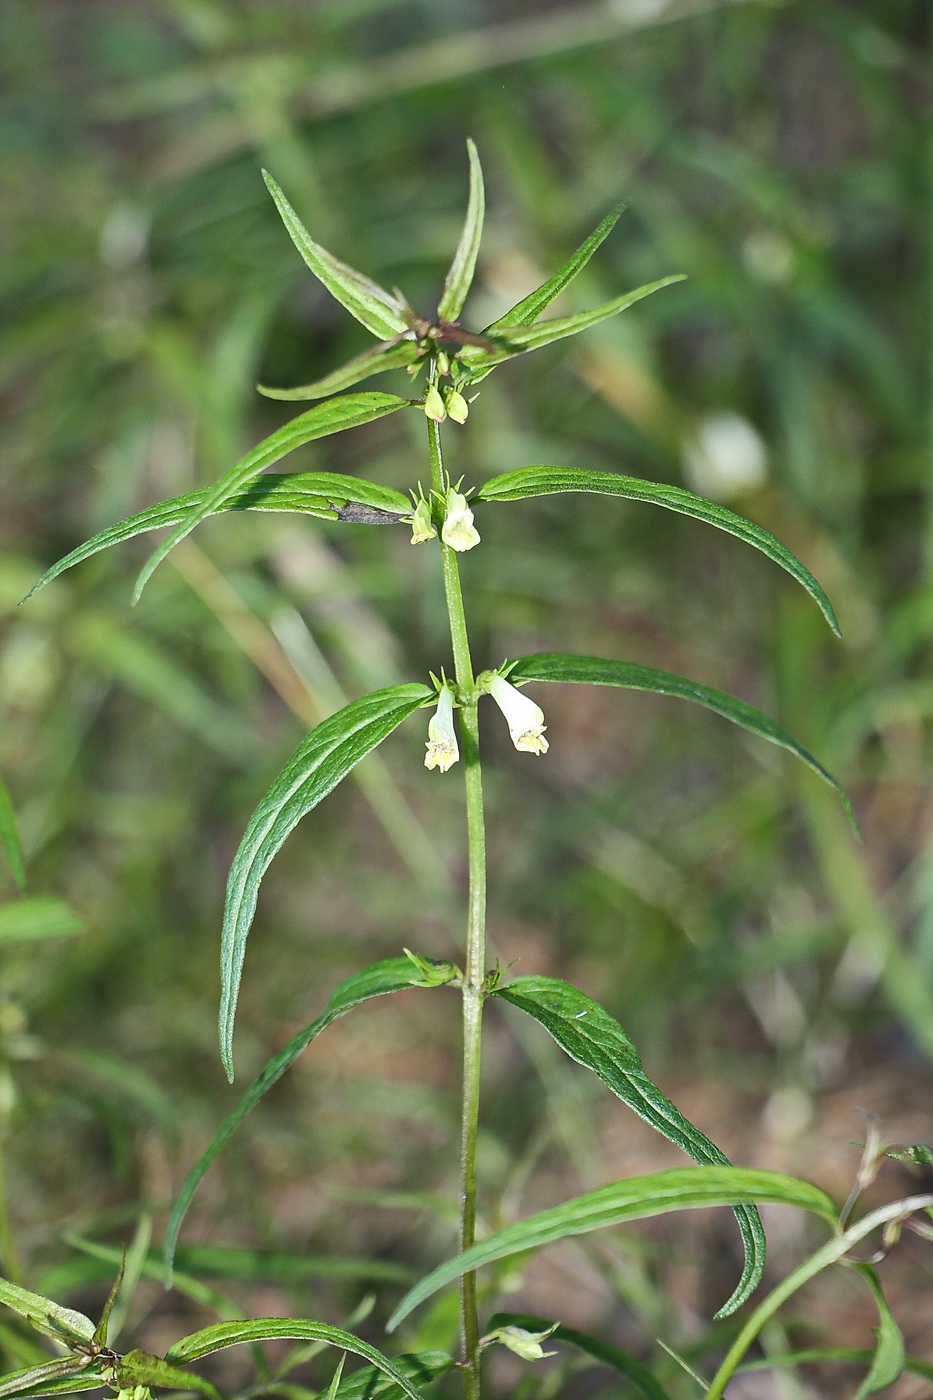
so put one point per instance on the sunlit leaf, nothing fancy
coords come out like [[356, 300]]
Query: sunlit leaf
[[391, 975], [46, 1316], [549, 481], [228, 1334], [326, 756], [375, 308], [460, 277], [621, 1361], [386, 355], [594, 670], [888, 1360], [638, 1198], [526, 311], [9, 837], [334, 416], [139, 1368], [589, 1035], [39, 916], [370, 1383]]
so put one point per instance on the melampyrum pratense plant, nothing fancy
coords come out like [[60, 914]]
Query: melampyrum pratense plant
[[447, 515]]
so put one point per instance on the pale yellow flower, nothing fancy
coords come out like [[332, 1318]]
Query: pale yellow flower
[[524, 718], [458, 529], [442, 749]]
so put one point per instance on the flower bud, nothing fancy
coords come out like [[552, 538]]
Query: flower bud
[[434, 404], [442, 748], [443, 363], [524, 718], [458, 529], [456, 405], [422, 526], [525, 1344]]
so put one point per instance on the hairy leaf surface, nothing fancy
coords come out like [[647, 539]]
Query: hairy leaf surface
[[589, 1035], [45, 1315], [460, 277], [326, 756], [139, 1368], [621, 1361], [637, 1198], [549, 481]]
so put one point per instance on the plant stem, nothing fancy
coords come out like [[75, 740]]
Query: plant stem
[[475, 965]]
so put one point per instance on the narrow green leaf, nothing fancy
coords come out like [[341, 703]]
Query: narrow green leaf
[[9, 838], [321, 494], [371, 1383], [526, 311], [515, 340], [46, 1316], [388, 354], [460, 277], [333, 416], [853, 1355], [39, 916], [326, 756], [589, 1035], [593, 670], [332, 1388], [638, 1198], [228, 1334], [612, 1356], [139, 1368], [64, 1376], [375, 308], [100, 1331], [889, 1357], [549, 481], [391, 975]]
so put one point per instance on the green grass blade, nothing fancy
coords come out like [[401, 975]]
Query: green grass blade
[[375, 308], [228, 1334], [391, 975], [325, 757], [621, 1361], [370, 1383], [524, 312], [593, 670], [320, 494], [334, 416], [638, 1198], [9, 838], [518, 339], [549, 481], [460, 277], [889, 1357], [589, 1035], [387, 355]]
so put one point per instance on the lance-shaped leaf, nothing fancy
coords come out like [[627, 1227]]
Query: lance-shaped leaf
[[370, 1383], [64, 1376], [321, 494], [328, 754], [9, 838], [549, 481], [888, 1360], [229, 1334], [139, 1368], [526, 311], [515, 340], [589, 1035], [390, 975], [594, 670], [621, 1361], [334, 416], [46, 1316], [460, 277], [389, 354], [375, 308], [638, 1198]]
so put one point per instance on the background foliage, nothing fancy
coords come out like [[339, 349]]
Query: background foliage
[[776, 977]]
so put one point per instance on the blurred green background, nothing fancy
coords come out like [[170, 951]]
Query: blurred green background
[[776, 975]]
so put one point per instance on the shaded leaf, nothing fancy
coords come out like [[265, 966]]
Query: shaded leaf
[[524, 312], [387, 355], [228, 1334], [459, 279], [306, 493], [613, 1356], [46, 1316], [38, 916], [593, 670], [326, 756], [887, 1363], [371, 1383], [391, 975], [549, 481], [9, 837], [375, 308], [589, 1035], [334, 416], [64, 1376], [139, 1368], [638, 1198]]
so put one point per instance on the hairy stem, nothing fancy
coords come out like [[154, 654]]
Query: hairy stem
[[475, 966]]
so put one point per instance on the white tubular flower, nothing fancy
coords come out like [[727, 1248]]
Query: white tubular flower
[[422, 527], [442, 750], [524, 718], [458, 529]]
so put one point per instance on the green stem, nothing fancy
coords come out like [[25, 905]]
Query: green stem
[[475, 966]]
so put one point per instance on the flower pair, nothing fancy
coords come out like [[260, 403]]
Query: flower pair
[[457, 531], [524, 718]]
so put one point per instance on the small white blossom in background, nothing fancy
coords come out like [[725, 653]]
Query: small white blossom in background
[[422, 526], [524, 718], [434, 404], [442, 748], [725, 457], [458, 529]]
